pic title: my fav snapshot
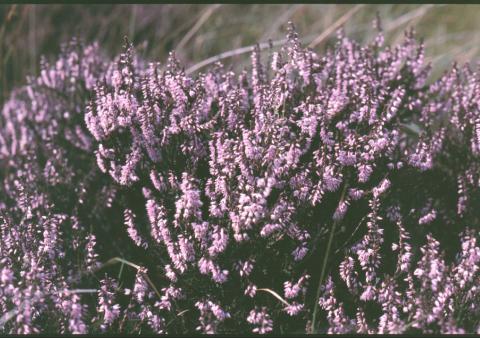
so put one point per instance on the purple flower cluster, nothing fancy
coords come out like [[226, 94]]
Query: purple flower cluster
[[347, 172]]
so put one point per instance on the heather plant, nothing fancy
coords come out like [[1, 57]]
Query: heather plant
[[330, 192]]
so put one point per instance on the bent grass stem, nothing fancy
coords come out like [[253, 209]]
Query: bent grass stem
[[324, 266]]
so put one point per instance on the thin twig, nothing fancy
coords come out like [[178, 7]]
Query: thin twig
[[454, 52], [281, 20], [409, 17], [32, 38], [324, 265], [239, 51], [197, 25], [276, 295], [115, 260], [181, 313], [335, 26], [120, 272], [82, 291], [133, 17], [351, 236], [11, 13], [418, 12], [231, 53]]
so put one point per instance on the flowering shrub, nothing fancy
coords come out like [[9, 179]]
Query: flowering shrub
[[313, 193]]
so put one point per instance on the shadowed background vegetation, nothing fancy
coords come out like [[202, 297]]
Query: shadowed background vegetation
[[198, 32]]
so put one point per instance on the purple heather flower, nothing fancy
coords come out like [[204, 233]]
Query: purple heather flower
[[261, 320]]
